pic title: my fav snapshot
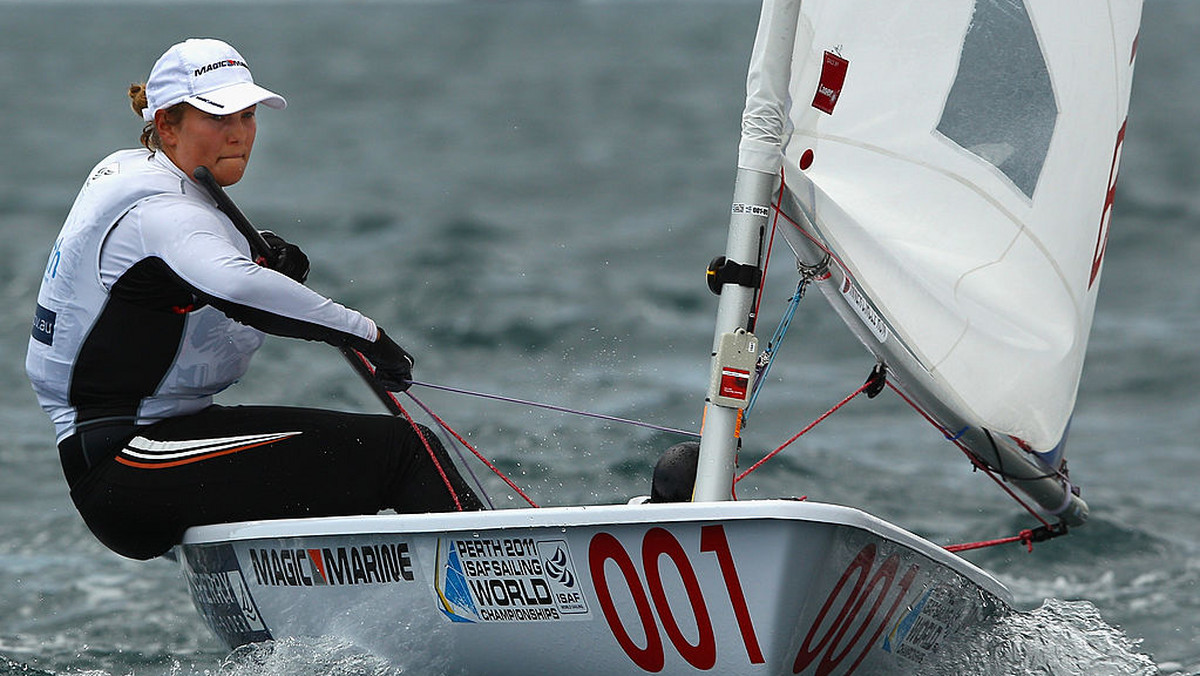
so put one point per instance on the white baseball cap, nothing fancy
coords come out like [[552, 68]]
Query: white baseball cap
[[210, 75]]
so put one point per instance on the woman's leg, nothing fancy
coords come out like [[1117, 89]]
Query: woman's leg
[[254, 462]]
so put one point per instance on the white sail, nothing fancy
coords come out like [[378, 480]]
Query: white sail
[[956, 159]]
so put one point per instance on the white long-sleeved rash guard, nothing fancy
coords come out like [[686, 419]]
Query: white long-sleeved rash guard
[[150, 303]]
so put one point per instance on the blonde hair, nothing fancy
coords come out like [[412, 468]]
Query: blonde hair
[[137, 101]]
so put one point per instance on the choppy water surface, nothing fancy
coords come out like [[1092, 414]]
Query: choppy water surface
[[529, 192]]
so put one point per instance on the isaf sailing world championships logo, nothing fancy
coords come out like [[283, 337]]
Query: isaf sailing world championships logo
[[507, 580]]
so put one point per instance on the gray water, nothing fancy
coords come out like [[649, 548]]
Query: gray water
[[527, 193]]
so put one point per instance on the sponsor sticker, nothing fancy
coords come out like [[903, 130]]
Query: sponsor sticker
[[922, 630], [507, 580], [221, 595], [751, 209], [43, 325], [833, 78], [367, 564], [862, 307], [223, 63], [735, 383]]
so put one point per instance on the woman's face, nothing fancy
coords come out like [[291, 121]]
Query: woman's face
[[220, 142]]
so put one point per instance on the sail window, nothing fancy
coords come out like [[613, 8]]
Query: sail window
[[1001, 106]]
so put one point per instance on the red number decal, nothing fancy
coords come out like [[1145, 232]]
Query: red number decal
[[712, 539], [604, 548], [905, 584], [861, 563], [657, 543], [881, 582]]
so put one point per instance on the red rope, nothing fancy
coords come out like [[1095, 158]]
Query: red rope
[[1028, 536], [429, 450], [1025, 536], [816, 242], [420, 435], [495, 470], [777, 207], [971, 456], [804, 431]]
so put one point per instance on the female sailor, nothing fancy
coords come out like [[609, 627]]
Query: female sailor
[[151, 304]]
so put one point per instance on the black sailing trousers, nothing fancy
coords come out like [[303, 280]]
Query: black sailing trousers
[[140, 488]]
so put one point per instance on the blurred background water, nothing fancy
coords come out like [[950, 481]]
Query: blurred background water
[[527, 194]]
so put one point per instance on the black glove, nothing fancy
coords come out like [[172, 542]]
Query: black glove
[[289, 259], [393, 366]]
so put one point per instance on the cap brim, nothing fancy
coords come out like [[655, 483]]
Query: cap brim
[[231, 99]]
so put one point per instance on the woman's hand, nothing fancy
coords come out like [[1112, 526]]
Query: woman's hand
[[393, 365], [289, 259]]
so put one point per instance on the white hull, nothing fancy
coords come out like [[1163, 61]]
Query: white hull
[[756, 587]]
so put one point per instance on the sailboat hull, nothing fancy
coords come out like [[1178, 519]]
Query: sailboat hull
[[757, 587]]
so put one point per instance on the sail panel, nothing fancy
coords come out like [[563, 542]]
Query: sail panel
[[956, 157]]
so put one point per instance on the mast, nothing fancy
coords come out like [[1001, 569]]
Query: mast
[[764, 122]]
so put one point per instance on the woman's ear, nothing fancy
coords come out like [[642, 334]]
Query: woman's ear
[[166, 131]]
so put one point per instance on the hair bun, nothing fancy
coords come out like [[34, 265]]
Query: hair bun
[[137, 97]]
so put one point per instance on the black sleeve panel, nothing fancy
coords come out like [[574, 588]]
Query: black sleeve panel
[[153, 285]]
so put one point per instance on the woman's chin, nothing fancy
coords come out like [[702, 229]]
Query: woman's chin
[[228, 172]]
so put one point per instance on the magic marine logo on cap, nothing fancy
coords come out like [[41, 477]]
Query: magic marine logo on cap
[[507, 580], [219, 64], [318, 567]]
